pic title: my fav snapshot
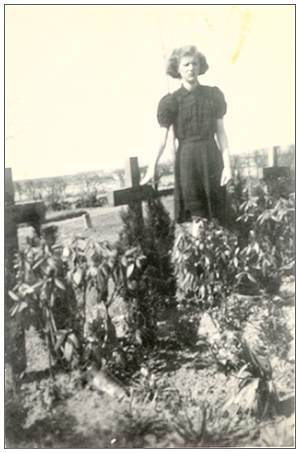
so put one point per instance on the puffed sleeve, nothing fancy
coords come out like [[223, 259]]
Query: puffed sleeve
[[219, 102], [166, 111]]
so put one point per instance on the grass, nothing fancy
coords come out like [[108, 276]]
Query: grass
[[106, 223]]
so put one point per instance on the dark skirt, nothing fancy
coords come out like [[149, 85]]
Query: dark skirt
[[198, 170]]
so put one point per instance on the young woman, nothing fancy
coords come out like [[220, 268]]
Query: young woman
[[202, 167]]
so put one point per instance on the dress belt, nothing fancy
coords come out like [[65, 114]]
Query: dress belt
[[196, 138]]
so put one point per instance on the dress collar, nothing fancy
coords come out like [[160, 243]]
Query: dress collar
[[184, 91]]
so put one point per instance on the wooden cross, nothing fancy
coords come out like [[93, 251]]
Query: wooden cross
[[134, 194]]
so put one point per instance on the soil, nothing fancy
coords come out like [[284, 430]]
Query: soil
[[78, 416]]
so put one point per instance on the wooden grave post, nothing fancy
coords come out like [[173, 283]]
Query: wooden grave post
[[134, 194], [34, 214], [15, 351], [132, 179]]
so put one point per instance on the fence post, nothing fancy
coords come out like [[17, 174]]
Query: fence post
[[273, 156], [87, 222]]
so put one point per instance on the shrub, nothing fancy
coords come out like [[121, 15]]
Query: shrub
[[205, 265], [51, 288], [215, 262], [43, 297], [270, 252], [153, 286], [209, 266]]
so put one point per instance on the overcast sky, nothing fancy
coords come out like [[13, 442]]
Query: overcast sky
[[83, 82]]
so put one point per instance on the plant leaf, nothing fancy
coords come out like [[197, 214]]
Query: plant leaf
[[14, 310], [130, 251], [60, 337], [129, 270], [29, 290], [13, 296], [251, 278], [37, 285], [59, 284], [72, 339], [68, 351], [38, 263], [77, 277], [22, 306], [52, 300]]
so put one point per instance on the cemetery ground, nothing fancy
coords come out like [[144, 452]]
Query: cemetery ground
[[177, 397]]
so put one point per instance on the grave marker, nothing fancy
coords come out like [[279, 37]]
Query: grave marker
[[273, 171], [15, 213], [134, 194], [15, 352]]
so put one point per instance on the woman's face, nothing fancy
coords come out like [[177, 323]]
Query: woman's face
[[189, 68]]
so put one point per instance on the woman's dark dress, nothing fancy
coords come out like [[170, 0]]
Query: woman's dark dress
[[198, 162]]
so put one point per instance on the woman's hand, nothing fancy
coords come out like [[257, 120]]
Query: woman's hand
[[223, 145], [226, 175], [150, 176]]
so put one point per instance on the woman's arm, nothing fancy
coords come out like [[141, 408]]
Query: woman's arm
[[151, 173], [223, 145]]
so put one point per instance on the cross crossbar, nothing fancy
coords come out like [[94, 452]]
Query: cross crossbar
[[134, 193], [32, 212]]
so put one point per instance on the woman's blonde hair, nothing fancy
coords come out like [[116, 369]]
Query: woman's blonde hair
[[185, 51]]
